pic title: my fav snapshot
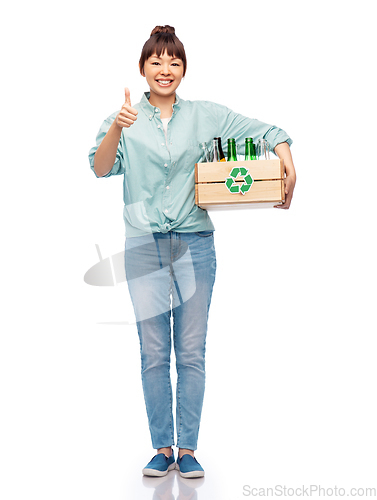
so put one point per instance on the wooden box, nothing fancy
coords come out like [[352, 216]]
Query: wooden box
[[239, 184]]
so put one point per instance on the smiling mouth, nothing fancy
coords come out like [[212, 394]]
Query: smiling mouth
[[164, 83]]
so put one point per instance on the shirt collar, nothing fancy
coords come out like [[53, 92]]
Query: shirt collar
[[151, 110]]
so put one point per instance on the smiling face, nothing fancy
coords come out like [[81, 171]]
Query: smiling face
[[163, 74]]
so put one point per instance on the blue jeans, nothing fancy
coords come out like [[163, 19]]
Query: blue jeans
[[170, 278]]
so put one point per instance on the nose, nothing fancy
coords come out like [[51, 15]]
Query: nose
[[165, 69]]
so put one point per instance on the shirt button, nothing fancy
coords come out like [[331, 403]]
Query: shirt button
[[157, 110], [167, 187], [158, 126], [162, 144], [166, 210], [165, 165], [150, 117]]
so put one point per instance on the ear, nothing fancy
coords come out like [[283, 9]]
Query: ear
[[141, 71]]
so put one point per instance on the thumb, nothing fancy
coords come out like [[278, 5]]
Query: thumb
[[127, 95]]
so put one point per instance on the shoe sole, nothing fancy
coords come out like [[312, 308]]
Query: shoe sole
[[158, 473], [193, 474]]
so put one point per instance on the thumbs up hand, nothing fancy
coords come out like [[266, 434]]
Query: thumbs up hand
[[127, 115]]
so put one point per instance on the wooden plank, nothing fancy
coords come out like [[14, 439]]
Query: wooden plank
[[239, 206], [218, 194], [196, 194], [283, 191], [258, 169]]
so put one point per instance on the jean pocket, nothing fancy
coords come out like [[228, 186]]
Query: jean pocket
[[204, 234]]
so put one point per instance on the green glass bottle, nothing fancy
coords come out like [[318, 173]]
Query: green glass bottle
[[250, 149], [232, 154]]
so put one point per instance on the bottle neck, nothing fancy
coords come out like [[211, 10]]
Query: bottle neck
[[232, 154], [249, 151], [218, 154]]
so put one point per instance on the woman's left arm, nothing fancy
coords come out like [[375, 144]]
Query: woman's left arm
[[283, 151], [231, 124]]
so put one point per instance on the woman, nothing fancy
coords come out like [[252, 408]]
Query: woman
[[170, 256]]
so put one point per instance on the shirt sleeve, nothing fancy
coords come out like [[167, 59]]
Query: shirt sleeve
[[118, 167], [238, 126]]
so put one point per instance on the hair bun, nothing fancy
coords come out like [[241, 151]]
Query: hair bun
[[163, 29]]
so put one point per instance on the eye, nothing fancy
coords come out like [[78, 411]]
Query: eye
[[155, 63]]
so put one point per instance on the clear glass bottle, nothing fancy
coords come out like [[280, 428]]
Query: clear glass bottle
[[206, 155], [263, 150]]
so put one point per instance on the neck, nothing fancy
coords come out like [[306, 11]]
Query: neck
[[165, 104]]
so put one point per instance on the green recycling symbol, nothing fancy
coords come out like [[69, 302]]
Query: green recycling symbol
[[230, 182]]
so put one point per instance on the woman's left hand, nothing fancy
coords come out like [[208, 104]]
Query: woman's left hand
[[283, 151], [289, 182]]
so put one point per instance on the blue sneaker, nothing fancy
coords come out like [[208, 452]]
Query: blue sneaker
[[189, 467], [159, 465]]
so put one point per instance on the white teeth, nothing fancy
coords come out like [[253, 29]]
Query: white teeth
[[164, 82]]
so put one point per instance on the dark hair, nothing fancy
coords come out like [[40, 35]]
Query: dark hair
[[163, 38]]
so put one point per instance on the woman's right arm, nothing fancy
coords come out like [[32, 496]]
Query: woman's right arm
[[105, 155]]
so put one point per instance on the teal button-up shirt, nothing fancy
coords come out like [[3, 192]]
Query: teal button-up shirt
[[159, 175]]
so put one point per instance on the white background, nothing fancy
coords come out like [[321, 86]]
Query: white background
[[291, 351]]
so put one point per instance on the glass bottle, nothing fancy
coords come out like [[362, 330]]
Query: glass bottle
[[263, 149], [250, 149], [232, 153], [218, 154], [206, 155]]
